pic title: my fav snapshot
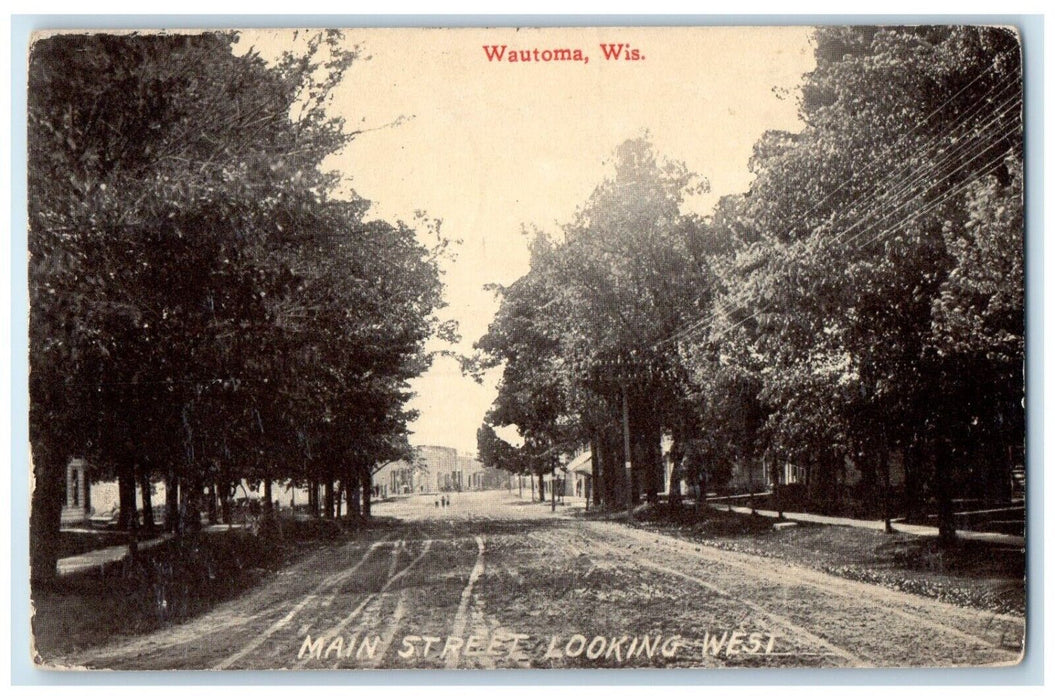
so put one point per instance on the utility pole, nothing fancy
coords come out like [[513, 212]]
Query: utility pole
[[616, 374], [626, 453]]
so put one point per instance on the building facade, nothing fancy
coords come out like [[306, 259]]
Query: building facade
[[435, 468]]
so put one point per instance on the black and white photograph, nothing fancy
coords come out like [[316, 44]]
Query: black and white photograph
[[613, 347]]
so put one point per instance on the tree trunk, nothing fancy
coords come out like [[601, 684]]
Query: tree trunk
[[541, 489], [652, 461], [884, 467], [368, 490], [355, 502], [133, 537], [148, 505], [45, 519], [183, 519], [172, 502], [612, 468], [701, 489], [778, 487], [87, 491], [224, 499], [327, 509], [602, 484], [211, 508], [943, 494], [674, 490], [553, 489], [838, 484], [268, 502], [129, 513], [913, 484], [348, 488], [745, 464], [998, 473], [627, 455], [191, 501], [595, 470], [126, 489], [618, 473]]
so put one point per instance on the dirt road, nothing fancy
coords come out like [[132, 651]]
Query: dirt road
[[495, 582]]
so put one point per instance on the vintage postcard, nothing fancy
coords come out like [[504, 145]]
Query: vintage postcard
[[500, 348]]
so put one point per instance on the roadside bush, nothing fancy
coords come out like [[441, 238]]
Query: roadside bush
[[313, 529], [166, 584], [74, 543]]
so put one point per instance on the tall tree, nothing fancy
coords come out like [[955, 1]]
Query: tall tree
[[193, 281], [627, 271], [903, 128]]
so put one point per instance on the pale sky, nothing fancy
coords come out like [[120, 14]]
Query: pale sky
[[490, 147]]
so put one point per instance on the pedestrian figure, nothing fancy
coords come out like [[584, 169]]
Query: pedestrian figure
[[437, 504]]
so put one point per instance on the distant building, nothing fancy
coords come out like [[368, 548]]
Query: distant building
[[580, 473], [575, 476], [471, 473], [78, 504], [401, 478], [442, 463], [97, 503], [434, 469]]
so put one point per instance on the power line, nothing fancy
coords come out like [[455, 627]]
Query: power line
[[961, 122], [835, 240], [991, 166], [905, 137], [920, 177], [917, 176]]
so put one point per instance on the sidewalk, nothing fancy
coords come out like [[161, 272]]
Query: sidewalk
[[100, 557], [922, 530]]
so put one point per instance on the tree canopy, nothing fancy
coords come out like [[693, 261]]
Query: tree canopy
[[864, 298], [202, 306]]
